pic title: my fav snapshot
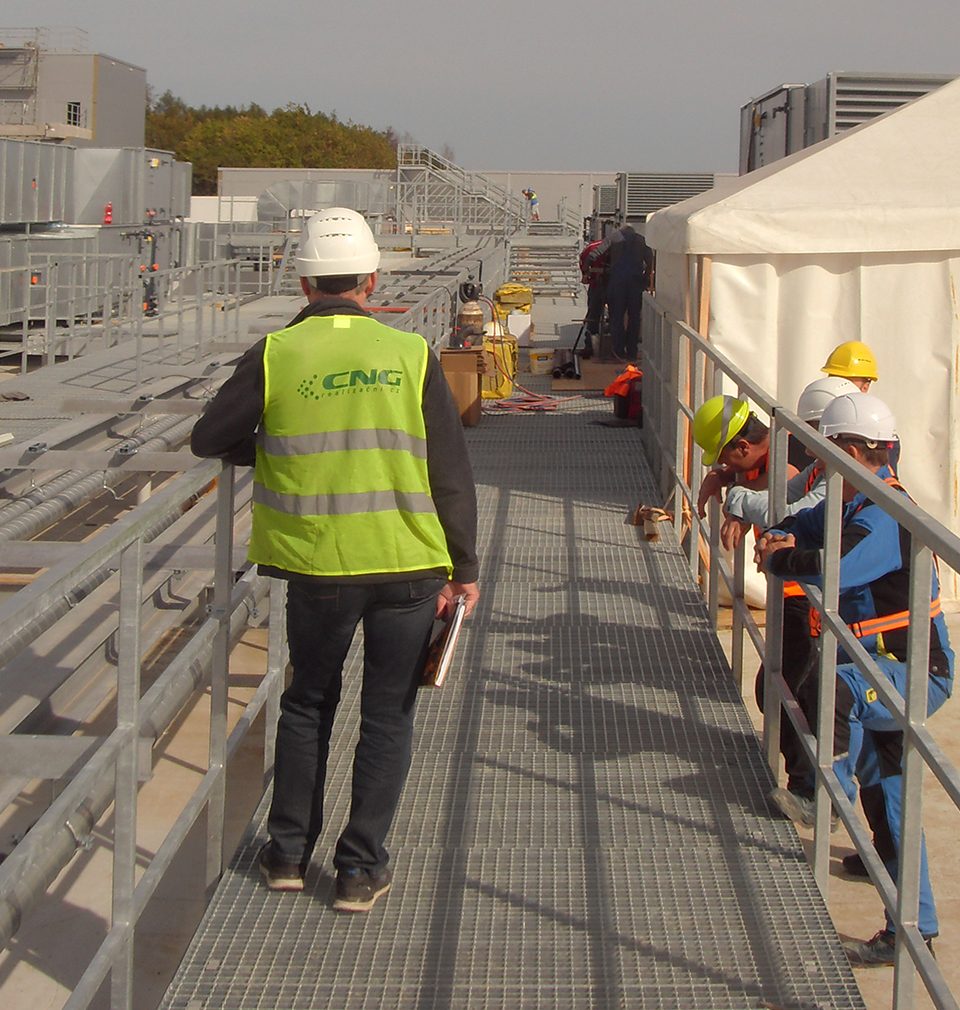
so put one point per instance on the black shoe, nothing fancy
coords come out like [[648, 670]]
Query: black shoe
[[278, 873], [876, 952], [853, 866], [358, 889], [587, 351]]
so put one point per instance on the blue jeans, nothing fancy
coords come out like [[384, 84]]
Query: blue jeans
[[863, 726], [321, 621]]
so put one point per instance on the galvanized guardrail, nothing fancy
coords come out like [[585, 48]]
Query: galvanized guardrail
[[69, 303], [106, 770], [681, 371]]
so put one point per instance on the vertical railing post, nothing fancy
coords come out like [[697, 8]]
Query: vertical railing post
[[127, 771], [828, 676], [773, 634], [911, 811], [220, 660], [276, 667], [51, 274]]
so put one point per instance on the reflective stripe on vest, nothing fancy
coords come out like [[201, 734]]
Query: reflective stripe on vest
[[342, 441], [357, 503], [885, 622]]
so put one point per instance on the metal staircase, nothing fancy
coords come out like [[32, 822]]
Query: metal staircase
[[434, 193], [547, 262]]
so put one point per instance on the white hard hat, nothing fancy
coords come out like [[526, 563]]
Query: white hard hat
[[860, 414], [814, 399], [337, 242]]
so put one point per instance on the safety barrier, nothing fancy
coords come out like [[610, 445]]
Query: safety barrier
[[94, 773], [85, 301], [681, 371]]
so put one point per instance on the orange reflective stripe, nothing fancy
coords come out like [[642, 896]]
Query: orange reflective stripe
[[890, 622], [792, 589]]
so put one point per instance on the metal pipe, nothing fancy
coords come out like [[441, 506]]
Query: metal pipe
[[52, 501]]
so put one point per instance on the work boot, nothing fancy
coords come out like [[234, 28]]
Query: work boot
[[587, 351], [799, 809], [280, 874], [877, 952], [853, 867], [358, 889]]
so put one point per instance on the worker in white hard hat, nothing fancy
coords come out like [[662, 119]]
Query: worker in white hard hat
[[874, 601], [364, 502]]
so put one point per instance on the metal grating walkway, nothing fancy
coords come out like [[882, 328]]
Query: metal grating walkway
[[584, 825]]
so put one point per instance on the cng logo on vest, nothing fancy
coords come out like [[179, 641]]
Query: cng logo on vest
[[355, 380]]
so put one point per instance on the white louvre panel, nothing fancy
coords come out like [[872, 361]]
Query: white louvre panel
[[861, 97], [642, 193], [605, 199]]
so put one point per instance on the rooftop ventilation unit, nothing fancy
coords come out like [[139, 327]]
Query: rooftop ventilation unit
[[642, 193], [605, 199]]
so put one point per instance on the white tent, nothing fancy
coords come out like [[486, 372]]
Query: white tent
[[856, 238]]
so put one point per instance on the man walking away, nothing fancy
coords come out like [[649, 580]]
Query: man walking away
[[364, 502]]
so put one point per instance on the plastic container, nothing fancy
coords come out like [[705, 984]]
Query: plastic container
[[541, 362]]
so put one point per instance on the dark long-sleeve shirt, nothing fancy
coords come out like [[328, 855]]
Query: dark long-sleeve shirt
[[227, 430]]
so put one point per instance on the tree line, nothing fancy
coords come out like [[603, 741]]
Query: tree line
[[250, 137]]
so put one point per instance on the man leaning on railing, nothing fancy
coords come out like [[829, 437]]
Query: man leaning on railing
[[874, 602]]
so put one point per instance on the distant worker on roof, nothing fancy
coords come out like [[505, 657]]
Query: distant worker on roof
[[364, 503], [874, 600], [533, 203]]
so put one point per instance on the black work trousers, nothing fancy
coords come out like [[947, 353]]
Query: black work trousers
[[797, 660], [321, 621]]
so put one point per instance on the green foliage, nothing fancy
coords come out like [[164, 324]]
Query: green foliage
[[250, 137]]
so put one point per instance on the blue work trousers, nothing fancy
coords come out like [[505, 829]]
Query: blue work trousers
[[624, 299], [866, 720], [321, 621]]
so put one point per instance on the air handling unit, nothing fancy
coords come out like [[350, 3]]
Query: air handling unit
[[791, 117], [642, 193]]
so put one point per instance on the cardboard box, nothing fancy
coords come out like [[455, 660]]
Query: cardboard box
[[463, 370]]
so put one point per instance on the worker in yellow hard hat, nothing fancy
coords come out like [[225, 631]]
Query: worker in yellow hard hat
[[855, 361], [735, 443]]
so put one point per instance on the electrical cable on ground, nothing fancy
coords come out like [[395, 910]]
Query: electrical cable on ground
[[530, 401]]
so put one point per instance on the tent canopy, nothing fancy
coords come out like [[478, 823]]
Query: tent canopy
[[890, 185]]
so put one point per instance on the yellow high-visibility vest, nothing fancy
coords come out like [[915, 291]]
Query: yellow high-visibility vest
[[341, 485]]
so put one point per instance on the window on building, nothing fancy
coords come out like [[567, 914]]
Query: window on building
[[73, 114]]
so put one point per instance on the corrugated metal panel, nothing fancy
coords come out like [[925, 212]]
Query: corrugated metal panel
[[858, 98], [642, 193], [605, 199], [33, 182]]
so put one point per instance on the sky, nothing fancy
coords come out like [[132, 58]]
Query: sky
[[567, 85]]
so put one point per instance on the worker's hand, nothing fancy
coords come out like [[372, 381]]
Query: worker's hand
[[711, 487], [470, 591], [769, 544], [732, 532]]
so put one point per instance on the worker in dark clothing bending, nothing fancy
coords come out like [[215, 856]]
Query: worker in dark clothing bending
[[364, 502], [874, 601], [628, 277]]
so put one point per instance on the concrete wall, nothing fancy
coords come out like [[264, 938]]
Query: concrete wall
[[112, 96]]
